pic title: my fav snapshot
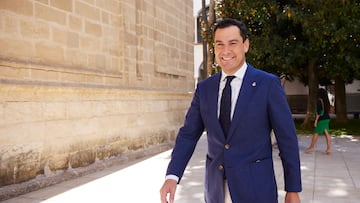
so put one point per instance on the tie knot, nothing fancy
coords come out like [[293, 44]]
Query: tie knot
[[229, 78]]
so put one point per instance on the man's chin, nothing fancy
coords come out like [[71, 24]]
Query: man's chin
[[226, 67]]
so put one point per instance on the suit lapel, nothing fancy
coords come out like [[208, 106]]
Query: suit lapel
[[213, 94], [245, 95]]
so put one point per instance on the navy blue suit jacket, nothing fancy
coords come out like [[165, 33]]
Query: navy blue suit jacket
[[245, 157]]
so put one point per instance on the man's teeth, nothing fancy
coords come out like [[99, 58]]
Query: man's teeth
[[227, 59]]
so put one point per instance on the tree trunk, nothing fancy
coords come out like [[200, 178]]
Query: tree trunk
[[308, 123], [204, 23], [340, 100], [210, 51]]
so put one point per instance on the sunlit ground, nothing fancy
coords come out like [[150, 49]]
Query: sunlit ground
[[137, 183], [331, 178]]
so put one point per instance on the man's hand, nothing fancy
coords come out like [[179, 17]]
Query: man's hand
[[169, 187], [292, 197]]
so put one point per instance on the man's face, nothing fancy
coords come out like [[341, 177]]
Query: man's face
[[230, 49]]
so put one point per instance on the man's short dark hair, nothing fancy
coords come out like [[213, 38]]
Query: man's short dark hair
[[227, 22]]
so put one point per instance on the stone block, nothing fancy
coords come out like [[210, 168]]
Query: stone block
[[75, 23], [93, 28], [65, 38], [88, 11], [15, 48], [49, 53], [50, 14], [22, 7], [89, 43], [66, 5], [75, 58], [81, 157], [19, 162], [9, 25], [30, 29], [111, 6]]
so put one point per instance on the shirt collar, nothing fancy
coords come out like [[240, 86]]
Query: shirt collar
[[238, 74]]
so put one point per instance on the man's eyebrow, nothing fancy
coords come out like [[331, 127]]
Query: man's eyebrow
[[233, 40]]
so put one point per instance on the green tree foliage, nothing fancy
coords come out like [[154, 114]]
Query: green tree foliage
[[275, 41], [332, 30], [313, 40]]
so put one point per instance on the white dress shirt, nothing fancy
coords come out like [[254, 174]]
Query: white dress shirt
[[235, 87]]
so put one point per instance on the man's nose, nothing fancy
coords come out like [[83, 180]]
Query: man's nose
[[227, 48]]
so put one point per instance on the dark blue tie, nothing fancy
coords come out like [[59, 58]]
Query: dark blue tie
[[225, 106]]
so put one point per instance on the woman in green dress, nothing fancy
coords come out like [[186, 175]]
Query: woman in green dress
[[322, 120]]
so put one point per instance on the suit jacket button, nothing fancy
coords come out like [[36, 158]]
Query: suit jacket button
[[221, 167], [227, 146]]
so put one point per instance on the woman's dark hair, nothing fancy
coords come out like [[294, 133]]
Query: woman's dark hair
[[227, 22], [323, 94]]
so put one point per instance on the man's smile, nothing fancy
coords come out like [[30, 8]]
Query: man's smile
[[227, 58]]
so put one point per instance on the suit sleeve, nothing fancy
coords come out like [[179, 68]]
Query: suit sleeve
[[285, 132], [187, 138]]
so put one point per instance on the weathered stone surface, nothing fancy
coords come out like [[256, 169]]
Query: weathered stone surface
[[54, 177], [87, 82]]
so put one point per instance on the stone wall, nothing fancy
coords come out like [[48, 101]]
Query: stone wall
[[87, 80]]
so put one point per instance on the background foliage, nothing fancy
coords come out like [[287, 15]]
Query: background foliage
[[316, 41]]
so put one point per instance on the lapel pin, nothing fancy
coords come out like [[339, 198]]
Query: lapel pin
[[253, 84]]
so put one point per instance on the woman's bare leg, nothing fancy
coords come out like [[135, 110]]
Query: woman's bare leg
[[313, 142], [328, 142]]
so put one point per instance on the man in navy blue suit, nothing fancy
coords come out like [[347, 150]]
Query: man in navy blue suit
[[239, 164]]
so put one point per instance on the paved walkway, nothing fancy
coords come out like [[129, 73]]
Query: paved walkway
[[331, 178]]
